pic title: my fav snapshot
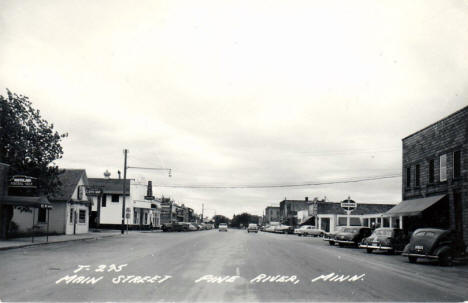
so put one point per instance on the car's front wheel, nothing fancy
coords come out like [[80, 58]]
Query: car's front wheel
[[412, 259], [369, 250]]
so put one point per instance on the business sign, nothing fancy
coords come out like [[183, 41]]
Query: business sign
[[22, 181], [149, 191], [93, 191], [348, 205]]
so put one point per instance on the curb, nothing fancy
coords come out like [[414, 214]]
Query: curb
[[60, 241]]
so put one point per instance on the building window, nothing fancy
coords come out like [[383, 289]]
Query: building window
[[342, 221], [71, 215], [443, 168], [104, 201], [408, 176], [416, 182], [431, 171], [457, 164], [42, 215], [115, 198], [82, 218]]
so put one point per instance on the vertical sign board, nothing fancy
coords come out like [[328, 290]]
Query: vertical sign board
[[348, 205]]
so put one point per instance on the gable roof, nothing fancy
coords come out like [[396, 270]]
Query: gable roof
[[69, 179], [110, 186]]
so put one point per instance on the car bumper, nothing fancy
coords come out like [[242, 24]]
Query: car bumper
[[419, 255], [344, 241], [375, 247]]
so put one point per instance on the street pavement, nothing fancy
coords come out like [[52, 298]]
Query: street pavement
[[218, 267]]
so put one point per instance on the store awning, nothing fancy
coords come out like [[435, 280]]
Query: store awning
[[309, 221], [38, 202], [414, 207]]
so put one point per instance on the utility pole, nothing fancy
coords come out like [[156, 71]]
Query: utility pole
[[124, 189], [202, 208]]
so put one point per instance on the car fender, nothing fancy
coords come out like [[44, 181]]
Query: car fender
[[406, 249], [443, 250]]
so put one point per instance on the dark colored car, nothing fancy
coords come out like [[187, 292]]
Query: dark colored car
[[433, 243], [352, 235], [330, 237], [388, 239], [173, 227]]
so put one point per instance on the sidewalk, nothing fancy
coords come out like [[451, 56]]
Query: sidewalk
[[26, 241]]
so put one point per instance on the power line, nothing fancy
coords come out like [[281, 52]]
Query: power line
[[282, 185]]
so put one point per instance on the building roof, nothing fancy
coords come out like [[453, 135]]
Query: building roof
[[110, 186], [69, 179], [361, 209], [452, 114]]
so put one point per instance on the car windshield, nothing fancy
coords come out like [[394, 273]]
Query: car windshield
[[382, 232], [428, 234], [223, 224], [350, 230]]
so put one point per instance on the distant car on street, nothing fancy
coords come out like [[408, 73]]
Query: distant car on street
[[433, 243], [284, 229], [175, 226], [388, 239], [352, 235], [330, 237], [252, 228], [300, 231], [222, 227], [314, 232]]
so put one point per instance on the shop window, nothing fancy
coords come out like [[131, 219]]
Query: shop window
[[386, 222], [354, 221], [82, 217], [417, 175], [42, 215], [443, 168], [342, 221], [104, 201], [431, 171], [71, 215], [408, 176], [115, 198], [457, 164], [365, 222]]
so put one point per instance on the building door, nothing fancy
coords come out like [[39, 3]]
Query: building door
[[457, 201], [325, 224]]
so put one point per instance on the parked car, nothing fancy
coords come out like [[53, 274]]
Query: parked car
[[222, 227], [300, 231], [433, 243], [284, 229], [388, 239], [330, 237], [175, 226], [270, 229], [252, 228], [314, 232], [352, 235]]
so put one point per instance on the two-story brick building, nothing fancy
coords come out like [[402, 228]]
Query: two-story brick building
[[272, 214], [435, 176], [289, 210]]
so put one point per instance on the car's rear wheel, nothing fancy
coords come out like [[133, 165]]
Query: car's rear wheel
[[446, 259], [331, 243], [369, 250], [412, 259]]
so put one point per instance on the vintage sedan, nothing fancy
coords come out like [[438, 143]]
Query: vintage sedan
[[314, 232], [300, 231], [388, 239], [330, 237], [352, 235], [284, 229], [433, 243]]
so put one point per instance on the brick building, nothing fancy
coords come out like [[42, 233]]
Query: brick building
[[435, 176], [272, 214], [289, 209]]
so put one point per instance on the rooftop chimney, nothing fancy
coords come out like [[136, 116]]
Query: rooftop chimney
[[118, 172], [306, 199]]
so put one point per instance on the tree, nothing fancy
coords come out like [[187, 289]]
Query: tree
[[244, 219], [29, 144], [220, 219]]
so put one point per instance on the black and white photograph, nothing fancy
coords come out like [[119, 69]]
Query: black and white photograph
[[233, 151]]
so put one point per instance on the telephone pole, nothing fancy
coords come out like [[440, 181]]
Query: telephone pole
[[124, 189], [202, 208]]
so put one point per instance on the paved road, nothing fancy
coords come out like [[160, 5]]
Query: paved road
[[176, 267]]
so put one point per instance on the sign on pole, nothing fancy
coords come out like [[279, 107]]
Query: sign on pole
[[348, 205]]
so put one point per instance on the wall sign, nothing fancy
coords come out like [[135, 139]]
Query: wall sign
[[22, 181]]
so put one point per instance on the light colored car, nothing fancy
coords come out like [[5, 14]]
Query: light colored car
[[222, 227], [314, 232], [300, 231], [252, 228]]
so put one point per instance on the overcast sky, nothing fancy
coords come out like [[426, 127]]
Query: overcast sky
[[239, 92]]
